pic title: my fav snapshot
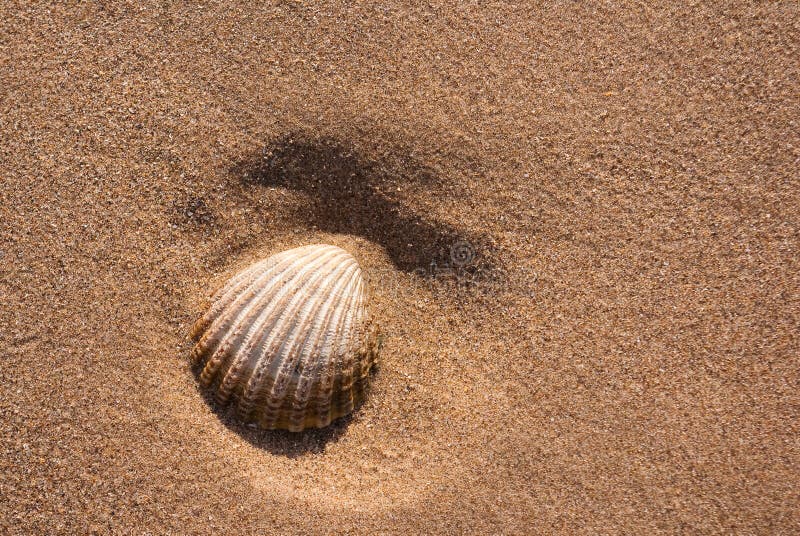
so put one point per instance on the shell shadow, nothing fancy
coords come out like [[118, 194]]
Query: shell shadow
[[352, 193], [277, 442]]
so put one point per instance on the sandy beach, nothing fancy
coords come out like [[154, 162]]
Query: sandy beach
[[616, 353]]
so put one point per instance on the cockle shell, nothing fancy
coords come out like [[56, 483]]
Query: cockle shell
[[289, 340]]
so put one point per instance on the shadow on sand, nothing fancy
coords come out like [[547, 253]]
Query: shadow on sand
[[350, 193]]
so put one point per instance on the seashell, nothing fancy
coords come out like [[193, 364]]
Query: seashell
[[289, 340]]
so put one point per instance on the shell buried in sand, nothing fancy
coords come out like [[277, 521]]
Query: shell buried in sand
[[289, 340]]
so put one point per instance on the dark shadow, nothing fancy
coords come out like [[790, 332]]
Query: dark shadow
[[350, 193], [278, 442]]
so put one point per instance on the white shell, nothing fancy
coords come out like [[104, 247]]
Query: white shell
[[289, 340]]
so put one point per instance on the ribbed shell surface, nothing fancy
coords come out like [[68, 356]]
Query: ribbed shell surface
[[289, 340]]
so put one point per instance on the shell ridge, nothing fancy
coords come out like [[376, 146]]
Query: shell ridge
[[267, 341], [216, 305], [211, 339], [278, 400], [295, 314], [347, 306], [361, 367], [288, 339], [221, 349], [266, 315], [345, 401], [228, 292], [317, 324], [325, 407], [330, 317]]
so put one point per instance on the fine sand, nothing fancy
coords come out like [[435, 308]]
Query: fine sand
[[620, 355]]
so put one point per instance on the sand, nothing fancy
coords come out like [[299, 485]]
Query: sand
[[621, 355]]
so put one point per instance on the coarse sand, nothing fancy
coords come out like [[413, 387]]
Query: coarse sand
[[620, 356]]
